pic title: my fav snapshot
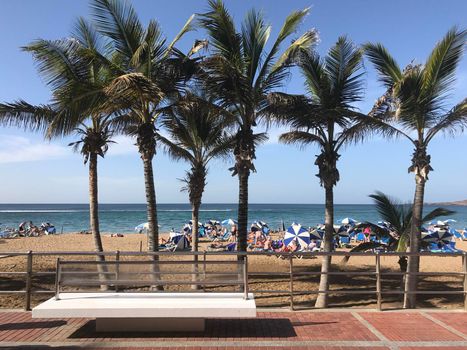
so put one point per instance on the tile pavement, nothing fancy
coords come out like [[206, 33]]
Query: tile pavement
[[270, 330]]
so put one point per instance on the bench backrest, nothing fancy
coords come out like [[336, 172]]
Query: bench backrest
[[121, 274]]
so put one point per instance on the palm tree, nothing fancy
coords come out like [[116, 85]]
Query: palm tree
[[198, 133], [325, 118], [414, 107], [77, 98], [239, 75], [146, 71], [399, 218]]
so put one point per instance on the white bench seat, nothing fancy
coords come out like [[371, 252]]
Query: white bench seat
[[148, 311]]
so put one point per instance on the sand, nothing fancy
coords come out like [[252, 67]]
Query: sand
[[257, 264]]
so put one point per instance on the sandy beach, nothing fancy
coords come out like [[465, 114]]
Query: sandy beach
[[133, 242]]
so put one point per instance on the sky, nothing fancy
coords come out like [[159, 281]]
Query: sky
[[36, 171]]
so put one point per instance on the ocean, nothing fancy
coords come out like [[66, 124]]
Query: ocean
[[122, 218]]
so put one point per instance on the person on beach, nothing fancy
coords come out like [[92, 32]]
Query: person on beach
[[233, 231], [367, 233]]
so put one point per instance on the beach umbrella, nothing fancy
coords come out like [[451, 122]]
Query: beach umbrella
[[348, 221], [229, 222], [316, 234], [299, 234], [213, 222], [191, 223], [175, 236], [442, 236], [142, 227], [187, 228], [338, 228], [260, 226]]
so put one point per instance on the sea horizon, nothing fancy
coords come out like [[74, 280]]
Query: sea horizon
[[123, 217]]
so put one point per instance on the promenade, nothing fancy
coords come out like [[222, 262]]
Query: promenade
[[335, 329]]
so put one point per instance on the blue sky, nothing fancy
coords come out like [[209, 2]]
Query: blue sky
[[35, 171]]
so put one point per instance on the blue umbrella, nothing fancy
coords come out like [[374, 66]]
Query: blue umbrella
[[298, 234]]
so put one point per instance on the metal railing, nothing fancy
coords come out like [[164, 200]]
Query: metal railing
[[104, 277], [292, 274]]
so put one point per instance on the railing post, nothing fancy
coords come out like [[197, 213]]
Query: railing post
[[378, 281], [245, 277], [464, 263], [291, 280], [204, 271], [57, 279], [117, 268], [27, 304]]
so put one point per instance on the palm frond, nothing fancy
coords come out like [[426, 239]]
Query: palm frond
[[389, 210], [118, 20], [24, 115], [302, 138], [133, 86], [289, 26], [343, 66], [387, 67], [436, 213], [187, 27], [454, 121], [439, 70]]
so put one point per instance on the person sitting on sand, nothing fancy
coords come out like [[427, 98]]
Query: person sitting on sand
[[268, 244]]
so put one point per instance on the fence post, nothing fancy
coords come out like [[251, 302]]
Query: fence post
[[117, 268], [378, 281], [27, 304], [204, 271], [464, 263], [291, 280], [245, 277]]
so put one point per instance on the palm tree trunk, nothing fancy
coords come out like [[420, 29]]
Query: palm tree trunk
[[415, 237], [153, 228], [322, 299], [194, 241], [242, 210], [94, 215]]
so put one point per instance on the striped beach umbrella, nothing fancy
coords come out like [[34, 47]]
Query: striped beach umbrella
[[260, 226], [437, 236], [229, 222], [348, 221], [298, 234], [316, 234]]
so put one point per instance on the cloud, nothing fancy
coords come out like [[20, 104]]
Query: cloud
[[18, 149]]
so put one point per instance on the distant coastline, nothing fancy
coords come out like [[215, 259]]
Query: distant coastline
[[455, 203]]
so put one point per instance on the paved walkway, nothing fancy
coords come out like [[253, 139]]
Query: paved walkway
[[292, 330]]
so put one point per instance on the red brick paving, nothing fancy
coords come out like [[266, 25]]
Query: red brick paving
[[267, 329], [399, 326], [458, 320]]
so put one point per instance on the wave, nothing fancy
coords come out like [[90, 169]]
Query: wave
[[102, 211], [189, 210], [44, 211]]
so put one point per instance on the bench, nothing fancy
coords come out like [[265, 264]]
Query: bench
[[131, 305]]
